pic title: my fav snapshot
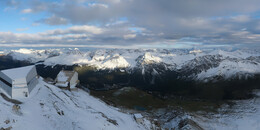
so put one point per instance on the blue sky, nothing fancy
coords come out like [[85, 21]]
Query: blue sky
[[12, 19], [130, 23]]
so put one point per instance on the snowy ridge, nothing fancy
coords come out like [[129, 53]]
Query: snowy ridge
[[116, 61], [196, 64], [148, 58], [32, 55], [52, 108]]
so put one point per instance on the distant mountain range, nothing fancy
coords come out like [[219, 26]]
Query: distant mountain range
[[200, 65]]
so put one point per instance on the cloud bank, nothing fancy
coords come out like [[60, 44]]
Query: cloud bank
[[148, 22]]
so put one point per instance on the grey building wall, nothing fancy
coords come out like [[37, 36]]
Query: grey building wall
[[5, 87], [32, 74], [32, 84]]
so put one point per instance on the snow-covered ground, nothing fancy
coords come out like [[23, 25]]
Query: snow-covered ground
[[245, 115], [230, 63], [50, 108]]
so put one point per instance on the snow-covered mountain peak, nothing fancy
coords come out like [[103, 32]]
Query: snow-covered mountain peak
[[195, 51], [74, 51], [116, 61], [29, 54], [148, 58], [201, 64]]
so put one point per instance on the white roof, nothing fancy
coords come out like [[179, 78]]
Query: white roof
[[65, 76], [62, 84], [138, 115], [62, 77], [17, 73]]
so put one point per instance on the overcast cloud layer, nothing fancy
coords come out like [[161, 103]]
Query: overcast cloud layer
[[147, 23]]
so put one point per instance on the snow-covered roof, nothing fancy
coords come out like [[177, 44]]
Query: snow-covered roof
[[17, 73], [62, 84], [65, 76], [138, 115]]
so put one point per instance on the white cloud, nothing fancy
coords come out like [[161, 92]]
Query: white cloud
[[241, 18], [85, 29], [209, 22], [22, 29], [54, 20], [26, 11], [78, 34], [129, 36], [97, 5], [36, 24]]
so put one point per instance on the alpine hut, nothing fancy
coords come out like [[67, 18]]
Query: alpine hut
[[138, 118], [18, 82], [67, 79]]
